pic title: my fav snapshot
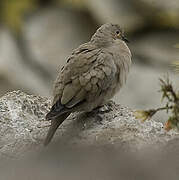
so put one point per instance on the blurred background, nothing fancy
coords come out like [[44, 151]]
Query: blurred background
[[36, 36], [89, 163]]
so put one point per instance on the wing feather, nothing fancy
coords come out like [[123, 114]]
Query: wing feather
[[78, 83]]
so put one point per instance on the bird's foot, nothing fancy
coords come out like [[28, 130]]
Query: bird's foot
[[103, 109], [100, 110]]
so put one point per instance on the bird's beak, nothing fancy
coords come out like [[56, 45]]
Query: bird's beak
[[125, 39]]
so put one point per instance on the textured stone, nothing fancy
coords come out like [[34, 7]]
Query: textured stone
[[23, 127]]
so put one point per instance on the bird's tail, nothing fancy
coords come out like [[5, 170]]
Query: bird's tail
[[55, 123]]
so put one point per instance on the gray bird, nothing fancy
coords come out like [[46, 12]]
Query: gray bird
[[92, 75]]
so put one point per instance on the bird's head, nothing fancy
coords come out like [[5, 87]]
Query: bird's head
[[108, 33]]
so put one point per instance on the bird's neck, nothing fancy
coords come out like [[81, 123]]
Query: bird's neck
[[122, 46], [101, 40]]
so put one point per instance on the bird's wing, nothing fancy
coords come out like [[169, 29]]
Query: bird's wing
[[88, 72], [79, 62]]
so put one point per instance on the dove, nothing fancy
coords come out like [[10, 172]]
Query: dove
[[92, 75]]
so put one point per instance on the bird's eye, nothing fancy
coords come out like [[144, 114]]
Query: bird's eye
[[117, 32]]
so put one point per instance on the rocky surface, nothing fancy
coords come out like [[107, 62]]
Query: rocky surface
[[23, 127]]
